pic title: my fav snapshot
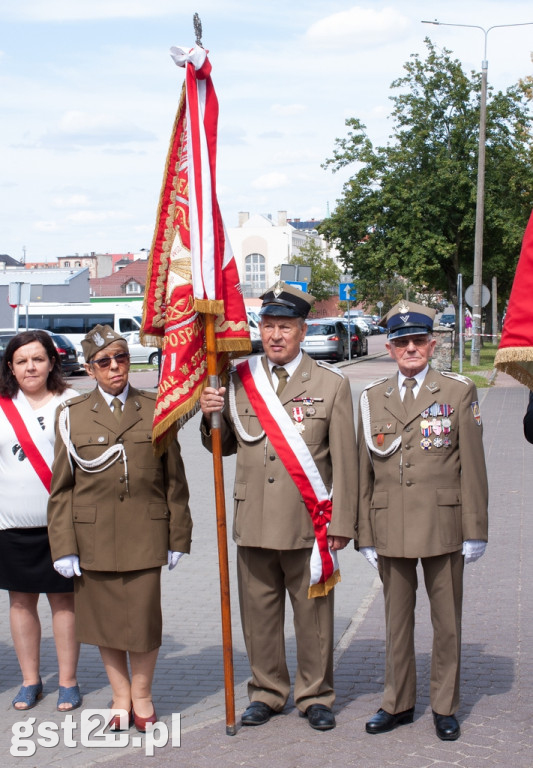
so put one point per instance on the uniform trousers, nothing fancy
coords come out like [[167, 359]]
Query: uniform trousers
[[264, 578], [443, 577]]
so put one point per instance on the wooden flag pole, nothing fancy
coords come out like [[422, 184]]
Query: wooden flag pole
[[220, 503]]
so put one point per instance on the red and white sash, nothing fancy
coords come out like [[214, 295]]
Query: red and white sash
[[300, 465], [40, 464]]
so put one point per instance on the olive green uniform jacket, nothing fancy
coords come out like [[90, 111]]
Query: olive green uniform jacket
[[128, 516], [421, 501]]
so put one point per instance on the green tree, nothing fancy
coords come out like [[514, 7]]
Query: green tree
[[409, 209], [325, 273]]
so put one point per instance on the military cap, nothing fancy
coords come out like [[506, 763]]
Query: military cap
[[408, 319], [99, 337], [286, 301]]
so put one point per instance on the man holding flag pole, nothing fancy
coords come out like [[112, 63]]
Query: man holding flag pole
[[290, 421]]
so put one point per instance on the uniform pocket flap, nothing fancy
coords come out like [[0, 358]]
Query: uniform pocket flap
[[141, 437], [94, 438], [384, 427], [448, 497], [380, 500], [84, 514], [157, 511], [239, 491]]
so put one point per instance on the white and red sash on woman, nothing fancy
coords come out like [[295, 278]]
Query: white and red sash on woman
[[300, 465], [28, 432]]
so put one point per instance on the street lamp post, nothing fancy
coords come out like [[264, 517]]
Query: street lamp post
[[480, 196]]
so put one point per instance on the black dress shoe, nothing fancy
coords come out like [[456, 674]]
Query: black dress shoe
[[384, 721], [447, 727], [320, 717], [257, 713]]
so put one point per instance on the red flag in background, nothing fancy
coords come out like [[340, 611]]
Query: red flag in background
[[515, 353], [191, 270]]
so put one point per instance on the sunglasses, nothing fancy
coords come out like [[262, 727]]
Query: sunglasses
[[104, 362], [418, 341]]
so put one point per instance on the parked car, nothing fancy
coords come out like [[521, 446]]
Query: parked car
[[66, 351], [447, 321], [363, 327], [358, 339], [138, 352], [255, 335], [374, 327], [327, 339]]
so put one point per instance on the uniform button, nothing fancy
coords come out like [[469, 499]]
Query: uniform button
[[409, 483], [120, 440], [270, 479], [272, 458], [408, 429], [121, 479], [407, 447], [121, 497], [407, 464]]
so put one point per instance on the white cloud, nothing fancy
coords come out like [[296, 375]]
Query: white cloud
[[46, 226], [77, 129], [283, 110], [89, 217], [77, 10], [72, 201], [358, 28], [271, 181]]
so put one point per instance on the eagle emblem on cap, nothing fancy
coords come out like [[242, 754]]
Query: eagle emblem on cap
[[403, 308], [278, 289], [98, 340]]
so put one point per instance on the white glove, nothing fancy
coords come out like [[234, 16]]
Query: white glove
[[68, 566], [173, 559], [370, 554], [473, 549]]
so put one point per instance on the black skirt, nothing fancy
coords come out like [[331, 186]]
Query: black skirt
[[26, 562]]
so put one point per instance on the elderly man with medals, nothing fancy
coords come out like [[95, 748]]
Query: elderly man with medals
[[423, 495], [117, 513], [290, 421]]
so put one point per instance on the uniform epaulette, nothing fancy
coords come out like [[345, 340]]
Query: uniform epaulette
[[329, 367], [457, 376], [375, 383], [75, 400], [148, 394]]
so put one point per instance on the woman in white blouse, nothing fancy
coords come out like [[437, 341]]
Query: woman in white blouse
[[31, 388]]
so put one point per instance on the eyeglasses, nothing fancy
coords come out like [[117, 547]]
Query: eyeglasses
[[104, 362], [418, 341]]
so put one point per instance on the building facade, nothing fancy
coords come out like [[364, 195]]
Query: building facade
[[260, 245]]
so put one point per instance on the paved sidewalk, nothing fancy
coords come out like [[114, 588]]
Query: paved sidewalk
[[497, 677]]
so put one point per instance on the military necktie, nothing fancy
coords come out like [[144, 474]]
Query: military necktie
[[116, 407], [409, 396], [282, 375]]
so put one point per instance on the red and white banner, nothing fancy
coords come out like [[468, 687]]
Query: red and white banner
[[192, 270], [515, 353], [297, 460]]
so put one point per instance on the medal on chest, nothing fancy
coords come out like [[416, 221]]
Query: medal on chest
[[298, 416]]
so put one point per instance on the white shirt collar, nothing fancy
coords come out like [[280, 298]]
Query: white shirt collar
[[419, 379], [109, 398], [289, 367]]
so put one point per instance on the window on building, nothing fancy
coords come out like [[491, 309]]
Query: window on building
[[133, 287], [66, 263], [255, 274]]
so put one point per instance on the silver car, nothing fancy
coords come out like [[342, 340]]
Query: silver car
[[138, 352], [327, 339]]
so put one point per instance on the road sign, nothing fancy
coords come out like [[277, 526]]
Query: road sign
[[469, 295], [347, 292], [301, 286]]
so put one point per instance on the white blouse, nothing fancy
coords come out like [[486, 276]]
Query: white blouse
[[23, 497]]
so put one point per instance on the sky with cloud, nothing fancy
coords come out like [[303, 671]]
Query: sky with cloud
[[89, 94]]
